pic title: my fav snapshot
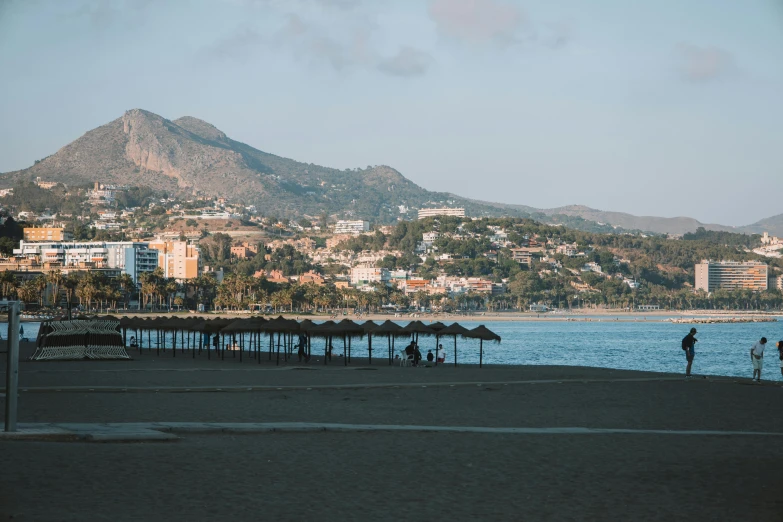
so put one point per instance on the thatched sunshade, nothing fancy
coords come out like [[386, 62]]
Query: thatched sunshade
[[454, 330], [417, 327], [391, 330], [250, 324], [347, 329], [437, 326], [325, 331], [280, 326], [369, 327], [482, 333]]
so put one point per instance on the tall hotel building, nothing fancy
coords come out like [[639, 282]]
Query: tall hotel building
[[731, 275]]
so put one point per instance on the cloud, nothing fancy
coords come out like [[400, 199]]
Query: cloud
[[101, 14], [343, 46], [407, 62], [703, 64], [477, 21], [235, 46], [342, 50]]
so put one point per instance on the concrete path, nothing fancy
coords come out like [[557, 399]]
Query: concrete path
[[166, 431], [246, 388]]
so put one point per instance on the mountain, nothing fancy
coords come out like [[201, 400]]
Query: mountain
[[189, 156], [192, 157], [661, 225], [773, 225]]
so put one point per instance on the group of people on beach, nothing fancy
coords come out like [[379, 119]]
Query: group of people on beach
[[756, 354], [413, 354]]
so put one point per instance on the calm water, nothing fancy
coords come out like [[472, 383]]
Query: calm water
[[654, 346]]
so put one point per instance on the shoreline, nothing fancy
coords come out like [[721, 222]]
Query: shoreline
[[599, 315]]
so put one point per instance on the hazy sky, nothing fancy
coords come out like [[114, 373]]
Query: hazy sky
[[657, 107]]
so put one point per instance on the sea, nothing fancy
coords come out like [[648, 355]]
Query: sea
[[603, 342]]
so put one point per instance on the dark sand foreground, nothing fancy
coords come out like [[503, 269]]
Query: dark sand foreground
[[384, 475]]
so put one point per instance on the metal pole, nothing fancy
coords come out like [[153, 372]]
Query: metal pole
[[12, 367]]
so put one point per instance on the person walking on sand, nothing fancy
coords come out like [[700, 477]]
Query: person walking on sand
[[688, 345], [757, 358]]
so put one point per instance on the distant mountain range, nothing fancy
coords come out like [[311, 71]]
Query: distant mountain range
[[189, 156]]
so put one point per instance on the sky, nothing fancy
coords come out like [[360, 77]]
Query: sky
[[658, 107]]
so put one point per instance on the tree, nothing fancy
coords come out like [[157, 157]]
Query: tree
[[56, 279], [7, 283]]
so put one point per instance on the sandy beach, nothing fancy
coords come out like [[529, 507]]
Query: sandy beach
[[377, 474], [598, 314]]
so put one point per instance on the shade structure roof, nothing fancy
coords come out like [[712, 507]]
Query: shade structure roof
[[249, 324], [369, 327], [322, 330], [346, 327], [483, 333], [437, 326], [453, 329], [419, 328], [281, 325], [389, 327], [211, 326], [307, 326]]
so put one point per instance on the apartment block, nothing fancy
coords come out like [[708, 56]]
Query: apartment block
[[433, 212], [366, 275], [179, 259], [351, 227], [522, 256], [46, 234], [130, 257], [731, 275]]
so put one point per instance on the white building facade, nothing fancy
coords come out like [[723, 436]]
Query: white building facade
[[132, 257], [351, 227]]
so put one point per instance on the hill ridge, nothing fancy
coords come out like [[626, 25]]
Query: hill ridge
[[191, 156]]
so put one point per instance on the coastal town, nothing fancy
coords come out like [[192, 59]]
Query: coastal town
[[119, 247]]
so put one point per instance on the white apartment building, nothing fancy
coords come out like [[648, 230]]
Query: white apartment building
[[361, 276], [131, 257], [209, 214], [351, 227], [731, 275], [445, 211]]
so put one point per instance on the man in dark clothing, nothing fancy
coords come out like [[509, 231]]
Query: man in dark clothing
[[688, 344]]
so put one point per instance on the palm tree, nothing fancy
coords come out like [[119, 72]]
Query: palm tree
[[126, 284], [171, 288], [70, 284], [8, 283], [56, 279], [39, 282]]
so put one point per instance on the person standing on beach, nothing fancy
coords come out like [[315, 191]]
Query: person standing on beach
[[757, 358], [688, 344], [780, 351]]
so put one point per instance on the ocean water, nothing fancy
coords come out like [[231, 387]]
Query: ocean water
[[723, 349]]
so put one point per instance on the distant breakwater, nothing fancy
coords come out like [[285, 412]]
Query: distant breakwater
[[719, 320]]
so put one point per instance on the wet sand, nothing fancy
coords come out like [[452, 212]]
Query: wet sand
[[384, 475]]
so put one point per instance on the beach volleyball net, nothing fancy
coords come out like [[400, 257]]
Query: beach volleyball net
[[79, 339]]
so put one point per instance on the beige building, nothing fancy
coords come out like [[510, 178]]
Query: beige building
[[523, 256], [776, 282], [731, 275], [46, 234], [178, 259], [432, 212]]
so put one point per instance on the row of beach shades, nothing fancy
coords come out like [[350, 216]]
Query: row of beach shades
[[257, 334]]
